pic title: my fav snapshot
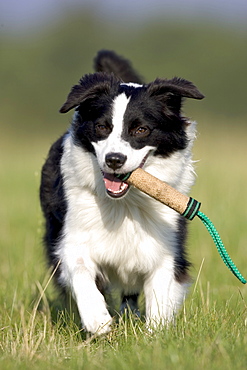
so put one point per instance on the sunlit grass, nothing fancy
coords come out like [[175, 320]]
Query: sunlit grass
[[210, 332]]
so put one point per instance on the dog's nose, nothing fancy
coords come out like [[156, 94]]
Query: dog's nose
[[115, 160]]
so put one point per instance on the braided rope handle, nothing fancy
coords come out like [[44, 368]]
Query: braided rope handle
[[220, 246], [186, 206]]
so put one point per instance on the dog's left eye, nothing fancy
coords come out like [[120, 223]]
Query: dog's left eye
[[141, 131]]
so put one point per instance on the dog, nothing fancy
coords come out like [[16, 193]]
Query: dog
[[99, 231]]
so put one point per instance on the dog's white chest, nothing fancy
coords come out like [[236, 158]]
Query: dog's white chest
[[124, 239]]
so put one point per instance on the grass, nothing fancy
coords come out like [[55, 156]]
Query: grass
[[210, 332]]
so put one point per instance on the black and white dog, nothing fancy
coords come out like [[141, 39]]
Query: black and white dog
[[99, 230]]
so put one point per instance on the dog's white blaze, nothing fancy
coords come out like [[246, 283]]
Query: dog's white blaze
[[114, 142]]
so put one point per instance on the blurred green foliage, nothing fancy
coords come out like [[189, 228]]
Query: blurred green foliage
[[38, 69]]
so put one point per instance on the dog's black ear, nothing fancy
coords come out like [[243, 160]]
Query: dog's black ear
[[176, 86], [172, 91], [89, 87]]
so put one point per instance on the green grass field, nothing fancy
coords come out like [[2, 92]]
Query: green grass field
[[211, 328]]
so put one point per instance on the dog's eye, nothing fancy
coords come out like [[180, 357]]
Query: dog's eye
[[102, 129], [141, 131]]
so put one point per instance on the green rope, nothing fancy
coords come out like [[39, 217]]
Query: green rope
[[191, 211], [220, 246]]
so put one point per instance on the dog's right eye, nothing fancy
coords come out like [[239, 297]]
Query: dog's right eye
[[102, 129]]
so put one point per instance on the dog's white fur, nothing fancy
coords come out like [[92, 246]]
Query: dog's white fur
[[128, 241]]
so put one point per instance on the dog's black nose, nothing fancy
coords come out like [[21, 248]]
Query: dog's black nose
[[115, 160]]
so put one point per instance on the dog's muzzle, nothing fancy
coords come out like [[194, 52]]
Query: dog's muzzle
[[115, 183]]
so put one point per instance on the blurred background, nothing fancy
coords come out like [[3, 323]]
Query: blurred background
[[47, 45]]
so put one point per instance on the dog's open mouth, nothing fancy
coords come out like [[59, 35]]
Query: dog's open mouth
[[116, 187]]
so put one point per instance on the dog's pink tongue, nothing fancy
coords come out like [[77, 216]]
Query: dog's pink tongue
[[112, 183]]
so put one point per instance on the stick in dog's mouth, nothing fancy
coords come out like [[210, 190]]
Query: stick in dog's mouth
[[158, 190]]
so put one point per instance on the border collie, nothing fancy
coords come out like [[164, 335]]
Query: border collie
[[100, 231]]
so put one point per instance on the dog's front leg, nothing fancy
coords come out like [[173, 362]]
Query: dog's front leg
[[163, 295], [91, 304], [79, 272]]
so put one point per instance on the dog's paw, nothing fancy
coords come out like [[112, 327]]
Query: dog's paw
[[98, 324]]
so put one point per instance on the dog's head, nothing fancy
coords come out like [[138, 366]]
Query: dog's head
[[123, 123]]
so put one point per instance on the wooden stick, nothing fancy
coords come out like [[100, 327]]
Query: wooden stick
[[158, 190]]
